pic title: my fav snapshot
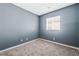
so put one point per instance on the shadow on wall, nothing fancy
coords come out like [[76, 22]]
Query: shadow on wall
[[68, 33], [16, 25]]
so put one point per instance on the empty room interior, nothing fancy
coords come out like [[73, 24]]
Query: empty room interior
[[39, 29]]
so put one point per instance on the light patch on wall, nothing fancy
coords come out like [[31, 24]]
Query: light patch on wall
[[53, 23]]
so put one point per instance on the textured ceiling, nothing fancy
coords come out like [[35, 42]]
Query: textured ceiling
[[42, 8]]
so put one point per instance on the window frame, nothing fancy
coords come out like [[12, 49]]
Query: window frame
[[51, 23]]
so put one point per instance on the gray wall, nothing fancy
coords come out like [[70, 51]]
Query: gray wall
[[78, 24], [16, 24], [68, 24]]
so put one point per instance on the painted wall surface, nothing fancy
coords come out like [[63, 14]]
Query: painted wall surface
[[68, 26], [78, 23], [16, 24]]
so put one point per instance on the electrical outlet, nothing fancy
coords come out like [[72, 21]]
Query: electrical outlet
[[21, 40], [53, 38], [26, 38]]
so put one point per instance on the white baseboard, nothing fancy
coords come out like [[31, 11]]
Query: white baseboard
[[37, 39], [62, 44], [17, 45]]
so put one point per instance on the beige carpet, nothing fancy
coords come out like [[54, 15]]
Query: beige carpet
[[40, 47]]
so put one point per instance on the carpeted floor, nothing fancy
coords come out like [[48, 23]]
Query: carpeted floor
[[41, 47]]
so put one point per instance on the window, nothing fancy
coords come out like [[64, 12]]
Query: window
[[53, 23]]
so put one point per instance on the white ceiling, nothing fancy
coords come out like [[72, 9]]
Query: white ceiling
[[42, 8]]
